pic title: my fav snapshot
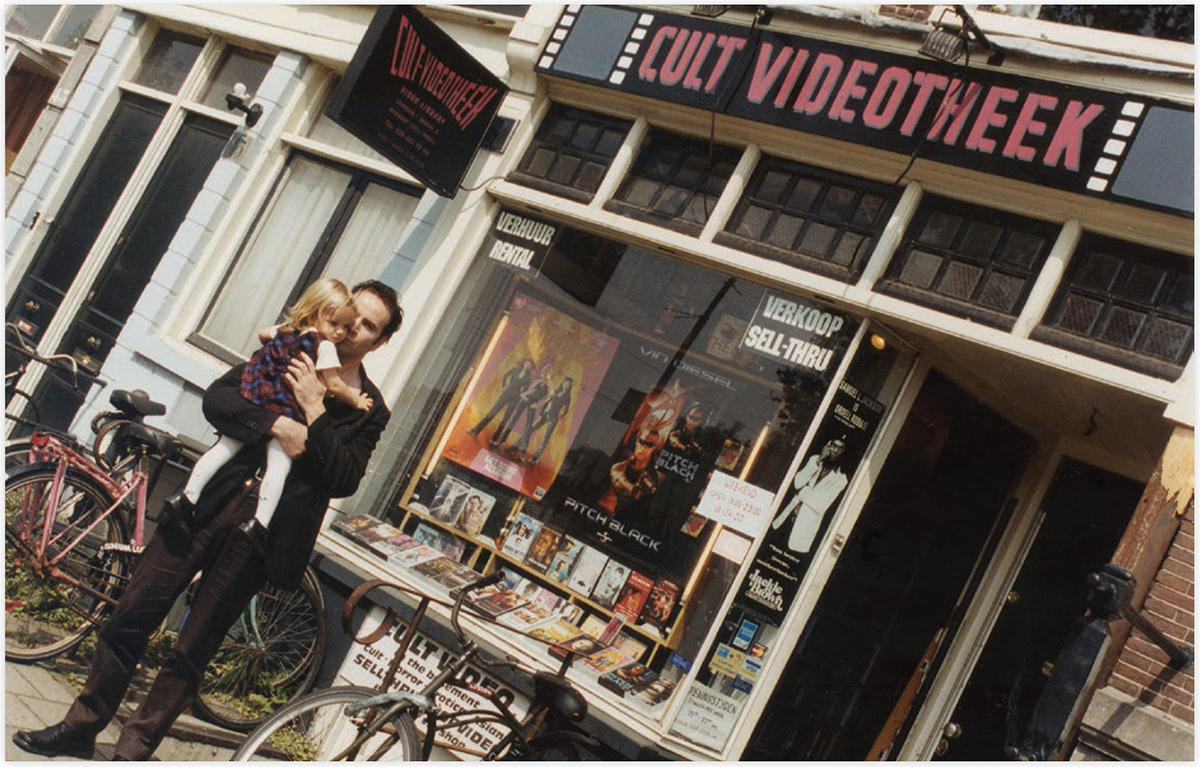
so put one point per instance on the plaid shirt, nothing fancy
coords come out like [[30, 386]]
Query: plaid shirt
[[262, 378]]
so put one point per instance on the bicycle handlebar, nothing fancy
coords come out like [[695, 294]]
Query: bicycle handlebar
[[61, 361]]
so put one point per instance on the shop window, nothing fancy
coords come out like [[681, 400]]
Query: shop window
[[169, 61], [570, 418], [323, 219], [675, 181], [969, 261], [815, 219], [1125, 304], [571, 152]]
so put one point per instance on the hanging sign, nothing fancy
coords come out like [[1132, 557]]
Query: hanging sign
[[417, 97], [1083, 140]]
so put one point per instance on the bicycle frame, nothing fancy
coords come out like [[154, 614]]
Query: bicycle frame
[[50, 449]]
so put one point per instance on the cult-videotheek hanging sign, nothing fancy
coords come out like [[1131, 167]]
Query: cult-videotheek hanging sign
[[417, 97]]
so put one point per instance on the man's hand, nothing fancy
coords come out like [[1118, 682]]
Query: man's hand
[[292, 436], [307, 386]]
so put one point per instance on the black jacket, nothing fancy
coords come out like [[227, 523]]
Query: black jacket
[[340, 443]]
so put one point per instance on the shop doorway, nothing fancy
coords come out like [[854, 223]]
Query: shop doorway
[[1084, 514], [900, 584]]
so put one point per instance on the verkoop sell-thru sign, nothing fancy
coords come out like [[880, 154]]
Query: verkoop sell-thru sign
[[417, 97]]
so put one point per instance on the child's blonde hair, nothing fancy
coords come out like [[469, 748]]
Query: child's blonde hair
[[320, 299]]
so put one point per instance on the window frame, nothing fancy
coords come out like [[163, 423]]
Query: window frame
[[557, 112], [677, 166], [890, 284], [358, 180], [829, 178], [1131, 254]]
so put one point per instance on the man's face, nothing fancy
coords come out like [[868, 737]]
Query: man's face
[[364, 335], [834, 450]]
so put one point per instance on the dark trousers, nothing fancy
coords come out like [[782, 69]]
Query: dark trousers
[[232, 574]]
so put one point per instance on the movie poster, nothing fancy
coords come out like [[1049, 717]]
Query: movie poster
[[525, 407], [813, 493], [632, 492]]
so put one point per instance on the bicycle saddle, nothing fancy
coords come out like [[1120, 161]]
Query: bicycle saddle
[[136, 404], [559, 695]]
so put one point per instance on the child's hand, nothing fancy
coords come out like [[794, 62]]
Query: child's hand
[[364, 401]]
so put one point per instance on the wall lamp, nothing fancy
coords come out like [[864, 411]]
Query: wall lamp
[[948, 43], [237, 100]]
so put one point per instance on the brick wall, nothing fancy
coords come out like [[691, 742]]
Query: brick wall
[[1142, 670], [907, 12]]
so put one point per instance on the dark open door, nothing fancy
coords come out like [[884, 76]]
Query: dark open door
[[1086, 511], [892, 599]]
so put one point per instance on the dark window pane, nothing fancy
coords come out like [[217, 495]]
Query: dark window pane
[[642, 192], [1143, 283], [785, 231], [773, 186], [754, 222], [539, 163], [960, 280], [672, 200], [838, 202], [817, 240], [920, 269], [1079, 315], [238, 65], [609, 142], [804, 195], [585, 136], [75, 25], [169, 61], [852, 249], [980, 240], [1022, 249], [590, 177], [868, 211], [940, 229], [1166, 339], [1122, 326], [1181, 297], [1001, 292], [1098, 272], [564, 170]]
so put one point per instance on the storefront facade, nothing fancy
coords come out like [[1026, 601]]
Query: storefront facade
[[801, 379]]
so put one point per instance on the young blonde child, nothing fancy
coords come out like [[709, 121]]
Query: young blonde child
[[320, 318]]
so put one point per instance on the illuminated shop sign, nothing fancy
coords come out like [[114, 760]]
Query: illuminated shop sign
[[1075, 139], [417, 97]]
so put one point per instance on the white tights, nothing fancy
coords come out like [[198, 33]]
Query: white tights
[[269, 493]]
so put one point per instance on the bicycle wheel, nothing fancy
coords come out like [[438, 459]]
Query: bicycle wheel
[[271, 655], [49, 610], [317, 728]]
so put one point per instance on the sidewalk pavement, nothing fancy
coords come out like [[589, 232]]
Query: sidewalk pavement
[[38, 695]]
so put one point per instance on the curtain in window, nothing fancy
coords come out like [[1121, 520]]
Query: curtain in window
[[371, 235], [276, 256]]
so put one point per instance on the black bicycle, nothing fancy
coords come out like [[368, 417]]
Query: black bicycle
[[352, 723]]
